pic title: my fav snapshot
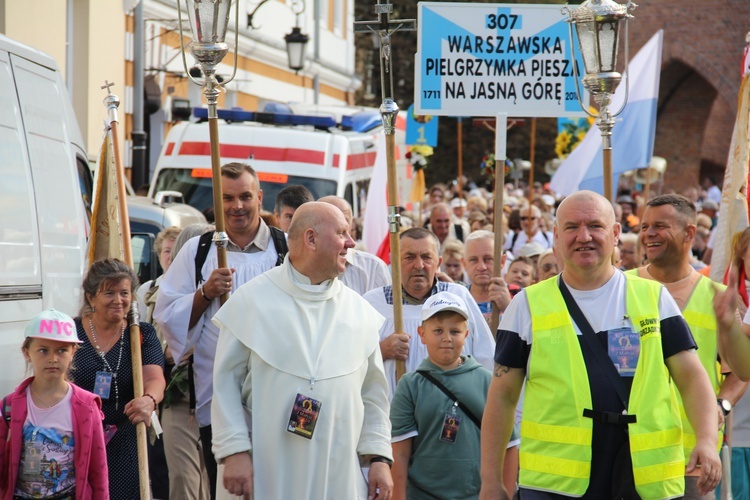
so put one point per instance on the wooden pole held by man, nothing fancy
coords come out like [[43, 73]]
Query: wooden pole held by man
[[384, 27], [220, 239], [112, 102]]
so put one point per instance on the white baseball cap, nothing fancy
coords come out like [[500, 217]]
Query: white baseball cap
[[52, 325], [531, 249], [444, 301], [458, 202]]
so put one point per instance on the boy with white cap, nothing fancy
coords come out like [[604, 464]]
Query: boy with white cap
[[436, 412]]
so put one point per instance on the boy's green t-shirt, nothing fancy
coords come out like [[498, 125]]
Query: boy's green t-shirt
[[440, 469]]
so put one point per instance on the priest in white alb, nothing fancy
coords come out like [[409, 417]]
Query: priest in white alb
[[299, 351]]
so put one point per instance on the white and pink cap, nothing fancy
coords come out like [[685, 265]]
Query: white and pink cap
[[52, 325]]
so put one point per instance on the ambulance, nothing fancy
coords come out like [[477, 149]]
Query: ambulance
[[329, 150]]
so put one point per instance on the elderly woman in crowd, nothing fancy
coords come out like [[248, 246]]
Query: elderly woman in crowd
[[547, 265], [103, 366], [164, 245]]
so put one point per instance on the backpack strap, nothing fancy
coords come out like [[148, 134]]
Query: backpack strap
[[206, 240], [513, 240], [459, 231], [204, 245], [279, 242]]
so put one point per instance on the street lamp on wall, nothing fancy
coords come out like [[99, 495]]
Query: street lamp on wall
[[597, 25], [295, 41], [295, 48]]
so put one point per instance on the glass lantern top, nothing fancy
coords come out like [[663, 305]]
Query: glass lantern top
[[599, 10], [208, 20]]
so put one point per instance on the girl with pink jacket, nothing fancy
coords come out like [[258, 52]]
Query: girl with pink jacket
[[51, 436]]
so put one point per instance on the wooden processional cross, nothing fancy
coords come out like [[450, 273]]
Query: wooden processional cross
[[384, 27]]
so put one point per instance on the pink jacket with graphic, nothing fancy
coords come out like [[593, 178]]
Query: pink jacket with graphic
[[90, 454]]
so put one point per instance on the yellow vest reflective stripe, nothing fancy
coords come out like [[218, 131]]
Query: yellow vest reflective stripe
[[555, 453]]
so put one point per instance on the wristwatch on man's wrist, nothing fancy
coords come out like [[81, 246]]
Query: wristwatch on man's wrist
[[725, 405], [378, 458]]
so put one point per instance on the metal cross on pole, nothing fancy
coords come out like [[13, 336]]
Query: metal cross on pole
[[384, 27]]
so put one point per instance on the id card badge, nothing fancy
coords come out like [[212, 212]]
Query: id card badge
[[624, 346], [451, 424], [304, 416], [32, 462], [103, 384]]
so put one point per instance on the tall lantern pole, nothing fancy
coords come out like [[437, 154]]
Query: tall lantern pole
[[208, 23], [384, 27], [597, 24]]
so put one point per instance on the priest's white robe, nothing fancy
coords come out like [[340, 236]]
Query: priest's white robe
[[480, 343], [280, 337]]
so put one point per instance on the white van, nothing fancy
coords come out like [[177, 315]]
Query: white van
[[331, 152], [45, 193]]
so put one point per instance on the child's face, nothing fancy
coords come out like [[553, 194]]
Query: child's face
[[520, 273], [454, 268], [49, 358], [444, 335]]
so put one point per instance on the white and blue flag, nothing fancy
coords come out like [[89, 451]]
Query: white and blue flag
[[632, 135]]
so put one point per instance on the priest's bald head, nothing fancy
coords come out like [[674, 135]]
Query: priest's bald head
[[318, 241]]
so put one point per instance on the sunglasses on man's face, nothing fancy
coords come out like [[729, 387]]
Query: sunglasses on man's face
[[524, 218]]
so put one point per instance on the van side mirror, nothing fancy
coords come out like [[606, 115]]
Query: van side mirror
[[161, 198]]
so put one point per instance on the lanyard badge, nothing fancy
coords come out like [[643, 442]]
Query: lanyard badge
[[451, 424]]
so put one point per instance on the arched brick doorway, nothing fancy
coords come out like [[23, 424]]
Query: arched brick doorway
[[700, 80], [686, 101]]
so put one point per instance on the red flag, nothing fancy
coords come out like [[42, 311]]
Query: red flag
[[384, 250]]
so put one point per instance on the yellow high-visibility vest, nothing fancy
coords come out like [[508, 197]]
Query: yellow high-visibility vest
[[700, 317], [555, 453]]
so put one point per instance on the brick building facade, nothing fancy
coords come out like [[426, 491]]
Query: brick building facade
[[700, 81]]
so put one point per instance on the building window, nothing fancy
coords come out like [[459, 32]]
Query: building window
[[338, 17], [322, 6]]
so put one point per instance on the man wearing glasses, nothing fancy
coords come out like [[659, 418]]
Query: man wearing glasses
[[530, 231]]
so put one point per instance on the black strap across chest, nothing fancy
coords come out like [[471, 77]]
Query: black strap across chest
[[452, 397], [597, 351]]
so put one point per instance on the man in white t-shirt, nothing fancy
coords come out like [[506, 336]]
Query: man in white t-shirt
[[529, 226], [443, 226], [569, 380], [713, 192]]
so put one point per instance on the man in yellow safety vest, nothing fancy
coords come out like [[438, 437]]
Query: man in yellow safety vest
[[600, 416], [668, 227]]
